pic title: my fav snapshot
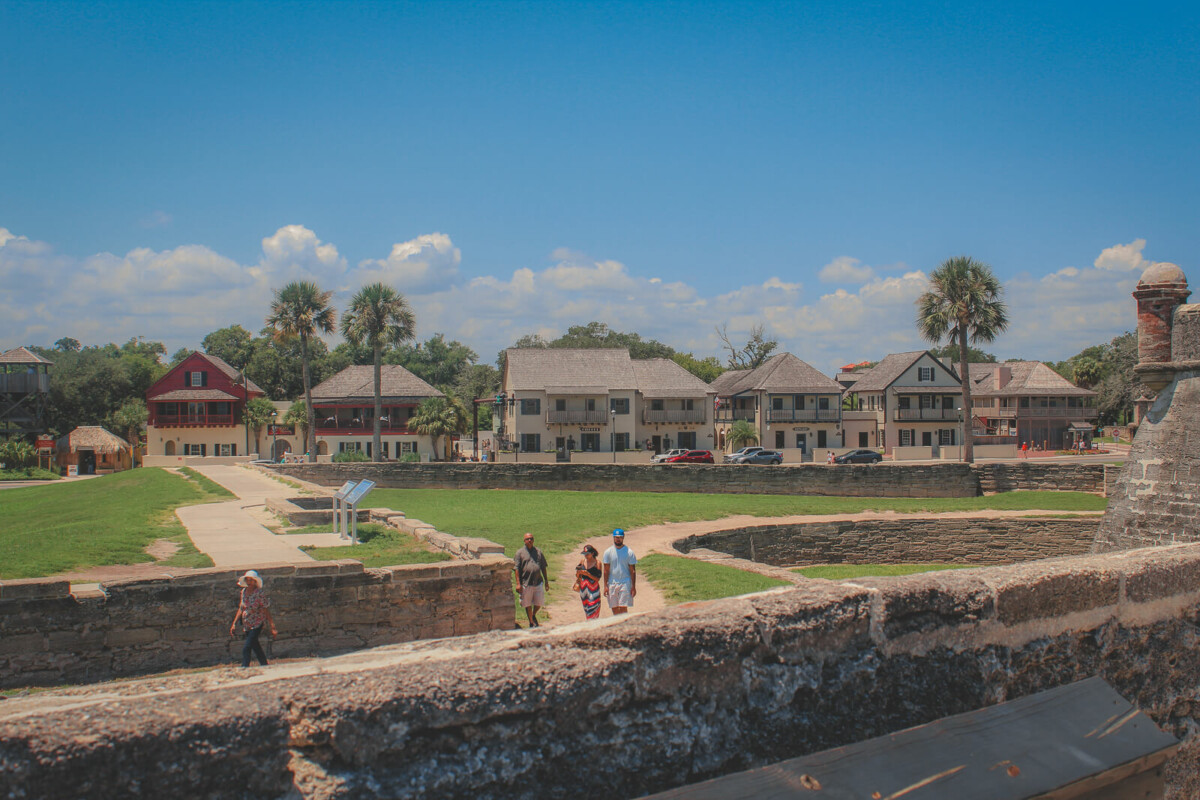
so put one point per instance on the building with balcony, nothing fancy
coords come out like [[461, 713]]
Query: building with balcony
[[24, 393], [791, 405], [907, 400], [196, 410], [1027, 402], [599, 400], [345, 410]]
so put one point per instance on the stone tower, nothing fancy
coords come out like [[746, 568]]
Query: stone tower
[[1157, 496]]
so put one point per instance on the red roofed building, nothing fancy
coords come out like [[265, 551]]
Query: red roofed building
[[196, 409]]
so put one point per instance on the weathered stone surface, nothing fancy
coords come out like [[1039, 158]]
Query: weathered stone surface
[[905, 540], [33, 588]]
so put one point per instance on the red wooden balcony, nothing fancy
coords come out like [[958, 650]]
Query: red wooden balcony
[[190, 420]]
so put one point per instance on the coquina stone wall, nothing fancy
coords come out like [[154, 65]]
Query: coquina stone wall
[[975, 541], [877, 480], [131, 627], [642, 704]]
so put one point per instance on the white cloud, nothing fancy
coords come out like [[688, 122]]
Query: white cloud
[[847, 270], [180, 294], [156, 219]]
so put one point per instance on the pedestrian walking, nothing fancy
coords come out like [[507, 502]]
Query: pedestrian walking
[[1024, 449], [620, 574], [530, 566], [254, 611], [829, 459], [587, 582]]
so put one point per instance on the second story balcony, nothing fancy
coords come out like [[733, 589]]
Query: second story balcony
[[577, 417], [732, 414], [1011, 412], [27, 383], [190, 420], [804, 415], [925, 415], [686, 416]]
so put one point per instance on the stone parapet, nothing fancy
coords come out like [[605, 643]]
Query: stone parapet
[[131, 627], [906, 540], [637, 705], [1035, 475]]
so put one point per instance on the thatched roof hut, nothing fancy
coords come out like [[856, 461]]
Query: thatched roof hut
[[90, 449], [94, 438]]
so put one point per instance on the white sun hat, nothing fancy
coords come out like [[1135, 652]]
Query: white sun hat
[[250, 575]]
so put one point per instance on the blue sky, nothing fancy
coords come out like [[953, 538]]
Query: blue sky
[[520, 167]]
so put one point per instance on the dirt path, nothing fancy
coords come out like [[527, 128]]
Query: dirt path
[[565, 606]]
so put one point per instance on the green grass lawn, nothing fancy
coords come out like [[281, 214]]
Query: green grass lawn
[[380, 546], [207, 484], [683, 580], [838, 572], [45, 530]]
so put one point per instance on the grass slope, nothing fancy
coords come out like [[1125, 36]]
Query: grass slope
[[684, 580], [380, 546], [45, 530], [207, 484]]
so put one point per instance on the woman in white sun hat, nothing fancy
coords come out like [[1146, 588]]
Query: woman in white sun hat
[[254, 611]]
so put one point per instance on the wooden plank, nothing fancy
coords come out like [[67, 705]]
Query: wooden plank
[[1042, 745]]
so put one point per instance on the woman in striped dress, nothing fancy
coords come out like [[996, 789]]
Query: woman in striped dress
[[587, 582]]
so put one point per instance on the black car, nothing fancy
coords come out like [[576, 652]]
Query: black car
[[859, 457]]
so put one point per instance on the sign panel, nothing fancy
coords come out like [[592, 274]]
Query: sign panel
[[347, 487], [359, 491]]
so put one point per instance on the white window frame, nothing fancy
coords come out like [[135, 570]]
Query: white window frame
[[906, 437], [924, 374]]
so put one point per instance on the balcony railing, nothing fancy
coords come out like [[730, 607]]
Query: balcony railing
[[925, 414], [727, 414], [24, 382], [675, 415], [577, 417], [348, 427], [1077, 412], [804, 415], [167, 420]]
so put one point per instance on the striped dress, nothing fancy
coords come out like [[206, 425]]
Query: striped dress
[[589, 589]]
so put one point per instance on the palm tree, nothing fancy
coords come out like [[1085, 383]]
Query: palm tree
[[440, 416], [379, 316], [130, 418], [297, 417], [963, 301], [301, 310], [258, 413], [742, 433]]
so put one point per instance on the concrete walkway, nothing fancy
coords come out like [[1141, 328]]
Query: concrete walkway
[[228, 532]]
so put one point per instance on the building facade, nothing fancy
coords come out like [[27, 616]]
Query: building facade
[[1026, 402], [599, 400], [791, 405], [196, 410], [907, 400], [345, 412]]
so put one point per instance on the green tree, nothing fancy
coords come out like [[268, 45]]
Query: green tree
[[479, 381], [301, 311], [706, 369], [130, 419], [742, 433], [1086, 372], [233, 345], [259, 412], [963, 302], [68, 345], [438, 417], [179, 355], [949, 354], [378, 316], [297, 417], [437, 362]]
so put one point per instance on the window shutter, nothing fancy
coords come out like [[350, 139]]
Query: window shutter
[[204, 379]]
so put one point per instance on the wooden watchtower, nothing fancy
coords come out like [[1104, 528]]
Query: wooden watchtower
[[24, 393]]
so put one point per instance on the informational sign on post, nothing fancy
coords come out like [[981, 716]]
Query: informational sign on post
[[350, 506], [339, 516]]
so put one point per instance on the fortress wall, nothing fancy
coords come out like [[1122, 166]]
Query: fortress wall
[[49, 636], [846, 480], [976, 541], [642, 704]]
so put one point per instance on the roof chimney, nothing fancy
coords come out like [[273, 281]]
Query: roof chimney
[[1001, 375]]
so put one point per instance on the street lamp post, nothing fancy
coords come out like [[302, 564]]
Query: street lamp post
[[613, 432], [274, 435], [962, 437]]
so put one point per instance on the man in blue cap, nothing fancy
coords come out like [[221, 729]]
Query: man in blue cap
[[620, 574]]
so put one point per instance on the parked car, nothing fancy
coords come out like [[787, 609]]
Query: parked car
[[859, 457], [660, 457], [736, 458], [691, 457], [762, 457]]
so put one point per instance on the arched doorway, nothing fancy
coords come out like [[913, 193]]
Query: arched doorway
[[281, 448], [170, 448], [322, 448]]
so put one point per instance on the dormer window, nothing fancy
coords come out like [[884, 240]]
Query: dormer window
[[197, 379]]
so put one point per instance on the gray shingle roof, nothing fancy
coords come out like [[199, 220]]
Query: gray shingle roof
[[781, 374], [357, 383], [194, 395], [662, 377], [1028, 378], [22, 355], [885, 373], [725, 382], [535, 368]]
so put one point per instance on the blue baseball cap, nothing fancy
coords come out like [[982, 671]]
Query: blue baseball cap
[[618, 532]]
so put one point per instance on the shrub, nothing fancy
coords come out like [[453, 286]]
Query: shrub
[[411, 458], [17, 453], [350, 455]]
